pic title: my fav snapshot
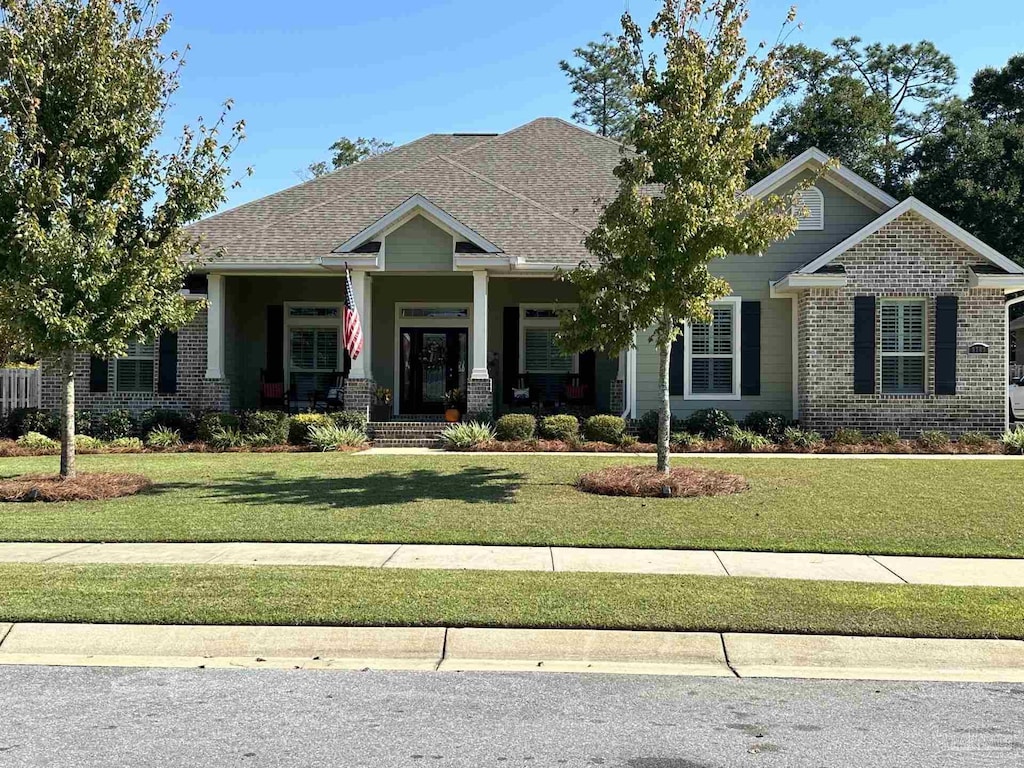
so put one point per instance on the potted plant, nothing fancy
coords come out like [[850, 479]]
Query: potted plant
[[381, 408], [452, 405]]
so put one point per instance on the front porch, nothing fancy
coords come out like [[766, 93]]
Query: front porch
[[489, 337]]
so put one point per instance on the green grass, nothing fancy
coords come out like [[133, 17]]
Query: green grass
[[375, 597], [887, 506]]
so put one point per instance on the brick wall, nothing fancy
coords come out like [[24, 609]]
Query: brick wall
[[195, 391], [908, 258]]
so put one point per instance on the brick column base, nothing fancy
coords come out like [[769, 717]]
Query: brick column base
[[479, 398], [359, 395], [215, 395], [617, 397]]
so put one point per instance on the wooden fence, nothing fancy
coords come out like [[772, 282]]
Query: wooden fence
[[19, 388]]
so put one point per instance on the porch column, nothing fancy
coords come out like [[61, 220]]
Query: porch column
[[617, 397], [480, 325], [215, 327], [479, 389], [360, 287]]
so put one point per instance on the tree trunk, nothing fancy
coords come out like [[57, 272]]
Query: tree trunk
[[665, 412], [67, 417]]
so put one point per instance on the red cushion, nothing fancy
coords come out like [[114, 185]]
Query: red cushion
[[576, 391], [271, 391]]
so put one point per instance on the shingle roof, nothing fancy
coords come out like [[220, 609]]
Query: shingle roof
[[534, 191]]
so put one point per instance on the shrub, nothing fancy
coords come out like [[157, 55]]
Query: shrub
[[845, 436], [605, 429], [37, 441], [684, 441], [127, 443], [888, 438], [151, 418], [25, 420], [87, 443], [466, 435], [87, 424], [484, 417], [299, 426], [350, 419], [516, 426], [163, 437], [329, 437], [647, 426], [933, 440], [561, 427], [976, 440], [223, 438], [740, 439], [118, 423], [265, 427], [1013, 440], [711, 423], [767, 424], [208, 423], [802, 439], [628, 441]]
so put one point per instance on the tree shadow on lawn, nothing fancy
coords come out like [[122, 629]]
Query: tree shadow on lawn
[[474, 485]]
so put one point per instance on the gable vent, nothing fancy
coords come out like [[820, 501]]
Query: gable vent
[[812, 202]]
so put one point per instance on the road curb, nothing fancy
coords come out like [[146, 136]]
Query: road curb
[[706, 654]]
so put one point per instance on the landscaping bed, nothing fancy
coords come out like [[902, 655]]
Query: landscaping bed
[[878, 505], [202, 594]]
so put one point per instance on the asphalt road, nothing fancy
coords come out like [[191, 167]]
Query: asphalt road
[[72, 717]]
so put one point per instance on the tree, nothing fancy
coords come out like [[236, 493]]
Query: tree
[[973, 170], [680, 203], [92, 250], [870, 105], [346, 152], [603, 82]]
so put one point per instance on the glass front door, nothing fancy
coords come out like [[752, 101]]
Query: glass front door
[[433, 362]]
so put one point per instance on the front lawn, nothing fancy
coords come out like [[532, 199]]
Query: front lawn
[[933, 507], [376, 597]]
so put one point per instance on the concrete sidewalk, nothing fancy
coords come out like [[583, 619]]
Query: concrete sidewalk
[[554, 650], [884, 569]]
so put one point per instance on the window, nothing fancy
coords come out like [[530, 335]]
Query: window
[[712, 355], [543, 354], [134, 371], [304, 311], [437, 313], [903, 353], [312, 358], [540, 356], [810, 209]]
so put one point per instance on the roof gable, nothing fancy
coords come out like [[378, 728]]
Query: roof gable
[[841, 176]]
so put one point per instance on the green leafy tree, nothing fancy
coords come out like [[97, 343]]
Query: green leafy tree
[[870, 105], [680, 204], [346, 152], [92, 247], [973, 169], [603, 81]]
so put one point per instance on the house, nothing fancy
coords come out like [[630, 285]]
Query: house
[[877, 313]]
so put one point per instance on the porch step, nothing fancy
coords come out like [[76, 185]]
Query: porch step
[[405, 434]]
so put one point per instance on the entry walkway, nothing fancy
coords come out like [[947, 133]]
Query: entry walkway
[[781, 565]]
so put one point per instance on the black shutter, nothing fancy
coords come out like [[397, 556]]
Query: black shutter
[[588, 373], [750, 348], [945, 345], [168, 381], [864, 345], [509, 351], [99, 369], [275, 343], [676, 362]]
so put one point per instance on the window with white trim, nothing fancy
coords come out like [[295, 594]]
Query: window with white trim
[[312, 358], [540, 356], [810, 210], [903, 346], [134, 371], [713, 354]]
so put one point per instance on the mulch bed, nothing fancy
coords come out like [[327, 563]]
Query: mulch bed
[[85, 487], [647, 481]]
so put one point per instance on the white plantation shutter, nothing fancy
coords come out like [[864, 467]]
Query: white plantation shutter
[[134, 371], [543, 354], [903, 347], [812, 203], [712, 353]]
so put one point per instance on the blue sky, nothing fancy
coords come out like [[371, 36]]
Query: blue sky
[[306, 72]]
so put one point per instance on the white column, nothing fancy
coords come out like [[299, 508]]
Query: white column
[[215, 327], [480, 325], [360, 287]]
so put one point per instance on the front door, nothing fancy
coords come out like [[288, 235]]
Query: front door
[[433, 361]]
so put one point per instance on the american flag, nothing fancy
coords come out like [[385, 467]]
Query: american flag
[[352, 328]]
